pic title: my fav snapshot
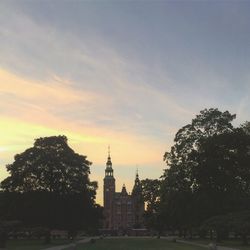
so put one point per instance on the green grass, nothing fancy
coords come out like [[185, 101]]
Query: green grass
[[120, 244], [234, 244], [136, 244], [226, 243], [33, 244]]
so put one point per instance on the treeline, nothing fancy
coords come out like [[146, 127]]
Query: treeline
[[206, 186], [48, 188]]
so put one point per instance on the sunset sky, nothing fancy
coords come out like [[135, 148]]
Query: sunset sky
[[127, 74]]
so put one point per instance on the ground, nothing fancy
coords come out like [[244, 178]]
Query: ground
[[136, 244], [236, 244], [32, 244], [119, 244]]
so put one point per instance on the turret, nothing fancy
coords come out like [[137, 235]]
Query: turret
[[108, 193], [137, 189], [138, 202], [109, 170], [124, 191]]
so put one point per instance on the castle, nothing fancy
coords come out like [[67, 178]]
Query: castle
[[122, 211]]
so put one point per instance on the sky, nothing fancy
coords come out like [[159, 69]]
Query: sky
[[127, 74]]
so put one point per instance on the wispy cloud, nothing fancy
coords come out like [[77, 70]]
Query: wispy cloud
[[53, 91], [103, 76]]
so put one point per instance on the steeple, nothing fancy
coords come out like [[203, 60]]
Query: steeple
[[109, 170], [108, 194], [124, 191], [138, 202], [109, 163], [137, 189]]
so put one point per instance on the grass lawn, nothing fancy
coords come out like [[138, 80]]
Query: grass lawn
[[136, 244], [32, 244], [227, 243], [235, 244]]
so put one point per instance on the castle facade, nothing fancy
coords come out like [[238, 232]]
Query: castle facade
[[122, 211]]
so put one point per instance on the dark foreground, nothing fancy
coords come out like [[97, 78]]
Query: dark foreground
[[136, 244]]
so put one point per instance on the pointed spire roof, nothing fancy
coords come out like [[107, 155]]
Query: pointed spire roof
[[109, 170], [124, 191], [109, 162], [137, 189]]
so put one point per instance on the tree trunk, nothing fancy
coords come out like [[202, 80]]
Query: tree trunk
[[218, 236], [244, 239], [3, 239], [211, 234], [190, 234], [185, 233], [180, 233], [47, 237]]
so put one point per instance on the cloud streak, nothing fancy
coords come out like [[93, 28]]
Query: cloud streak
[[107, 76]]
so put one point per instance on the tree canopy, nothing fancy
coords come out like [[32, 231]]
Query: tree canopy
[[50, 165], [49, 185], [208, 170], [151, 196], [151, 193]]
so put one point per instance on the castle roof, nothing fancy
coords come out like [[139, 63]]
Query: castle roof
[[137, 189]]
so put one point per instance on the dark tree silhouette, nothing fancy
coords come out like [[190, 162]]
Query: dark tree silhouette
[[50, 165], [208, 172], [151, 193], [151, 196], [49, 186]]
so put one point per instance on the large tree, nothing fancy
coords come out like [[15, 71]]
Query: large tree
[[49, 185], [151, 196], [50, 165], [220, 178], [208, 172], [208, 123], [151, 193]]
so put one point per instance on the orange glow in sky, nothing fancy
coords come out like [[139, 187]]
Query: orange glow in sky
[[102, 74], [27, 117]]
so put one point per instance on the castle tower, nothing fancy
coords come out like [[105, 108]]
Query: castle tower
[[108, 194], [138, 202]]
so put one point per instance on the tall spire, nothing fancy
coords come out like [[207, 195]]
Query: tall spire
[[137, 185], [124, 191], [136, 175], [109, 170], [109, 163]]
